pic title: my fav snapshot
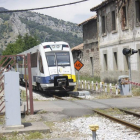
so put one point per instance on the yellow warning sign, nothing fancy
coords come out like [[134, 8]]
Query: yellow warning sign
[[78, 65]]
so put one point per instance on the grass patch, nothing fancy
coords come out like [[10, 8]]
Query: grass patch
[[88, 115], [2, 120], [35, 135], [14, 133], [111, 111], [49, 124], [41, 112], [2, 137], [67, 119], [109, 96], [136, 91], [23, 95], [88, 78]]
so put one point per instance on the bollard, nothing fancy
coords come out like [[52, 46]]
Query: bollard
[[96, 86], [79, 84], [116, 89], [89, 85], [100, 86], [110, 88], [92, 85], [93, 128], [105, 87], [85, 84], [82, 84]]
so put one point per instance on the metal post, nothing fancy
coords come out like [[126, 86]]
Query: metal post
[[25, 77], [94, 128], [78, 78], [16, 66], [129, 72], [30, 84]]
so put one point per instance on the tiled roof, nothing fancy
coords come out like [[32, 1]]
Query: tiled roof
[[101, 5], [79, 47], [91, 18]]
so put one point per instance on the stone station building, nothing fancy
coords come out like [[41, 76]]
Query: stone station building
[[90, 52], [118, 28]]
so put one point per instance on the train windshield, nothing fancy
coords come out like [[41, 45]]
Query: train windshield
[[51, 60], [58, 59], [63, 59]]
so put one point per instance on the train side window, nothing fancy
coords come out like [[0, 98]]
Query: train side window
[[41, 65], [34, 60]]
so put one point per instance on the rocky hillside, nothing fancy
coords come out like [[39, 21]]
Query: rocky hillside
[[46, 28]]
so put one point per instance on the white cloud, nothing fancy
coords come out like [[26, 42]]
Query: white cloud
[[74, 13]]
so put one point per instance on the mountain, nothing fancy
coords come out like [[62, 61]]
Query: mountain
[[46, 28], [3, 9]]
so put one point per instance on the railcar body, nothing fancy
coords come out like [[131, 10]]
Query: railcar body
[[52, 66]]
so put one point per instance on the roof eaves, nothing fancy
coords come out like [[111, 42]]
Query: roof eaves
[[84, 22], [79, 47], [101, 5]]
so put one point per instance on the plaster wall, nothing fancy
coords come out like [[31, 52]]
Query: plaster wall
[[116, 40]]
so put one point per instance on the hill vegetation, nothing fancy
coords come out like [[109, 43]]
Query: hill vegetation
[[22, 43], [45, 28]]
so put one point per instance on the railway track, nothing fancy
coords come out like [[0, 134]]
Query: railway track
[[130, 125]]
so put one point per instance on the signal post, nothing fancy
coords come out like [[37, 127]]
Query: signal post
[[78, 65], [128, 53]]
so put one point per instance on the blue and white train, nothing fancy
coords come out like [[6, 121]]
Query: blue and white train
[[52, 66]]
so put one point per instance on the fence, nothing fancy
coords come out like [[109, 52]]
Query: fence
[[7, 62], [98, 87]]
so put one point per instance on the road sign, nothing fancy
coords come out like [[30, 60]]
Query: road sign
[[78, 65]]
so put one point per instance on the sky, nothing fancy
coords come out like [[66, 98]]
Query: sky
[[76, 13]]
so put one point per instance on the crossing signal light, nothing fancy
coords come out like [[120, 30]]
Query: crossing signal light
[[133, 51], [126, 51], [129, 51]]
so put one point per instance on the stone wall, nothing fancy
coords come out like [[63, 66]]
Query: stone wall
[[90, 57]]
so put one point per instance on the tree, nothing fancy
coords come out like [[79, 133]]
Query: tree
[[22, 44]]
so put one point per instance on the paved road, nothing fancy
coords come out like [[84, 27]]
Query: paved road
[[82, 107]]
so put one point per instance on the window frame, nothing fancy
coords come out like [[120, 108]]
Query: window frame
[[137, 12], [113, 14], [103, 18], [124, 27]]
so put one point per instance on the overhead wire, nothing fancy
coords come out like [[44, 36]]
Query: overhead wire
[[23, 10]]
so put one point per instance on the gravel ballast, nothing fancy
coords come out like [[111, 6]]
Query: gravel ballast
[[108, 130]]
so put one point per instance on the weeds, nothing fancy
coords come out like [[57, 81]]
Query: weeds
[[14, 133], [23, 95], [2, 137], [111, 111], [88, 78], [49, 124], [35, 135], [136, 91]]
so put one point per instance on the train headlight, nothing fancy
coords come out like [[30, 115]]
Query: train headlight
[[53, 46], [57, 46]]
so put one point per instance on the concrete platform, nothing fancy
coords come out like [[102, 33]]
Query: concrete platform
[[28, 127]]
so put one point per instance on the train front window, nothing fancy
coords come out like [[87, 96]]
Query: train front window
[[63, 59], [51, 60]]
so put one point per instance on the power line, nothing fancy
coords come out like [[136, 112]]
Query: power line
[[23, 10]]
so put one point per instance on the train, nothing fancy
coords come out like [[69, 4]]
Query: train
[[52, 67]]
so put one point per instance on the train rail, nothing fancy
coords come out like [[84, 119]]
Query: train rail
[[130, 125], [130, 112]]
